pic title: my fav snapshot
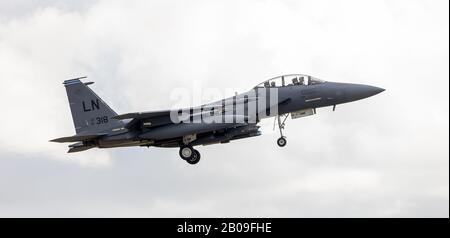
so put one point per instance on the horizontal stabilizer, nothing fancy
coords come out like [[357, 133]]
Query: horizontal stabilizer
[[77, 138]]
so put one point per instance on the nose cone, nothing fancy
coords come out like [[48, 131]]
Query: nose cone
[[355, 92]]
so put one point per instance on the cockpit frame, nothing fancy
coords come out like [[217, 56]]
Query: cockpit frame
[[290, 80]]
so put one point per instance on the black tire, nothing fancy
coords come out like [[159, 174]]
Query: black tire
[[186, 152], [195, 158], [281, 142]]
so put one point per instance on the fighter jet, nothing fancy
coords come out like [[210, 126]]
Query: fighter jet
[[233, 118]]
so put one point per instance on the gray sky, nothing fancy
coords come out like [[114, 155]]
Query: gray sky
[[386, 156]]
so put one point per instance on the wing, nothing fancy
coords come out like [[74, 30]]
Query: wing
[[143, 115], [207, 108]]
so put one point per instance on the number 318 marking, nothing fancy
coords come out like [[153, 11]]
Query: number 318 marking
[[101, 120]]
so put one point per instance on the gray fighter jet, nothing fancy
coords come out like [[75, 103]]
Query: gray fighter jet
[[237, 117]]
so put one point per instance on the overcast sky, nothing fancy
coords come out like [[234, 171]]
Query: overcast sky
[[385, 156]]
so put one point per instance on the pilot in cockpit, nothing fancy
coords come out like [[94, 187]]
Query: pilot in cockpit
[[302, 82], [298, 81]]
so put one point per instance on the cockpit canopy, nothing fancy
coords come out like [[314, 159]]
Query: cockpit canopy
[[290, 80]]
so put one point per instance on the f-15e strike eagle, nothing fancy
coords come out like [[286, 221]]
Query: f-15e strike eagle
[[237, 117]]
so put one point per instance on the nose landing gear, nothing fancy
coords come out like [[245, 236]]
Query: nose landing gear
[[281, 142], [189, 154]]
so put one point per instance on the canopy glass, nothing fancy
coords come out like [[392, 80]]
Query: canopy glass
[[290, 80]]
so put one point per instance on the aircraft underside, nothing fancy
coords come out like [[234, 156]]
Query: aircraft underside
[[213, 137]]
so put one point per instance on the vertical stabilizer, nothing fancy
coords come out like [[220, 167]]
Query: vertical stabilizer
[[89, 112]]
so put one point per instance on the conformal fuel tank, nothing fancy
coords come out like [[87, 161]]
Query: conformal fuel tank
[[182, 129]]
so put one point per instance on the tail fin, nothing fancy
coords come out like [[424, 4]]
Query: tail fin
[[90, 113]]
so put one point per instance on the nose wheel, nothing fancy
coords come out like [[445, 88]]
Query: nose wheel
[[281, 141], [189, 154]]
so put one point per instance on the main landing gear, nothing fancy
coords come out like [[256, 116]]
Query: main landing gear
[[189, 154], [281, 142]]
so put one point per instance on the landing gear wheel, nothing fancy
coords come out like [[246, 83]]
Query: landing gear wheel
[[195, 158], [281, 142], [186, 152]]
